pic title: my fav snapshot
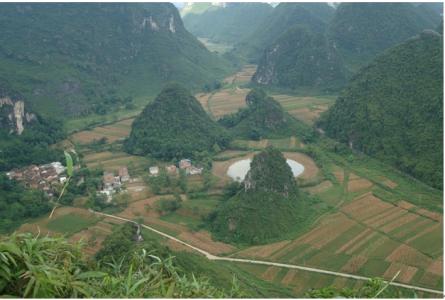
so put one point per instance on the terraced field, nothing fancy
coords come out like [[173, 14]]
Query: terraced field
[[112, 133], [364, 235]]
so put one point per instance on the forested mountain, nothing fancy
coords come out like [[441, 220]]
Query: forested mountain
[[228, 24], [175, 125], [315, 16], [301, 59], [360, 31], [24, 135], [76, 59], [393, 109], [265, 208], [263, 117]]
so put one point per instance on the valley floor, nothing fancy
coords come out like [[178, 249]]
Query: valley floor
[[371, 220]]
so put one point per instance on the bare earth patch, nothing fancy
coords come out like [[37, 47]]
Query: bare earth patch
[[354, 264], [203, 240], [319, 188], [407, 255], [263, 251], [365, 206], [406, 272], [358, 184], [270, 273]]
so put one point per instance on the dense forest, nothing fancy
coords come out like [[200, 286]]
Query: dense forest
[[314, 16], [264, 208], [78, 59], [393, 109], [231, 23], [301, 59], [263, 118], [175, 125], [18, 203]]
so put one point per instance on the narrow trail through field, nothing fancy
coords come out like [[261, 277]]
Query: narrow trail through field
[[267, 263]]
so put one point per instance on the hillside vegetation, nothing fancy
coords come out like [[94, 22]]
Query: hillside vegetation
[[79, 59], [25, 136], [175, 125], [230, 24], [393, 109], [263, 117], [360, 31], [301, 59], [314, 16], [266, 206]]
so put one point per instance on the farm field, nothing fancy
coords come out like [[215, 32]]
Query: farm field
[[112, 133]]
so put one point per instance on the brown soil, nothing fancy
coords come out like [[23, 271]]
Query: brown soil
[[358, 237], [263, 251], [432, 215], [359, 184], [360, 243], [289, 277], [339, 174], [308, 115], [203, 240], [332, 227], [354, 264], [425, 231], [436, 266], [365, 206], [227, 102], [319, 188], [405, 205], [406, 272], [407, 255], [396, 213], [270, 273], [405, 219]]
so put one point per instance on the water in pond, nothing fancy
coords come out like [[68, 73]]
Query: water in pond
[[239, 169]]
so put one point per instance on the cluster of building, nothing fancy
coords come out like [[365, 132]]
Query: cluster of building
[[184, 164], [112, 183], [43, 177]]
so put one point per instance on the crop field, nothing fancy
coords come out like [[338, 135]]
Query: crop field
[[306, 109], [242, 77], [227, 101], [290, 143], [364, 235], [113, 132]]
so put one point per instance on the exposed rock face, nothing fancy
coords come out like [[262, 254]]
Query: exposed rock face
[[13, 115]]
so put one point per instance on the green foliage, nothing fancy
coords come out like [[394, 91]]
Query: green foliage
[[18, 204], [361, 31], [301, 59], [393, 109], [174, 125], [263, 118], [51, 54], [314, 16], [230, 24], [32, 146], [45, 267], [168, 206], [374, 288], [265, 209]]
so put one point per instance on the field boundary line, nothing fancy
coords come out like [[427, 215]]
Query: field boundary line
[[210, 256]]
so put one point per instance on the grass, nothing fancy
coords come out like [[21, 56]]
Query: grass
[[71, 223]]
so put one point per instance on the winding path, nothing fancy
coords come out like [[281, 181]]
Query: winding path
[[268, 263]]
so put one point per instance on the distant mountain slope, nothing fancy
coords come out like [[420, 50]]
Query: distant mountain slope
[[393, 109], [174, 125], [360, 31], [229, 24], [301, 59], [79, 58], [315, 16]]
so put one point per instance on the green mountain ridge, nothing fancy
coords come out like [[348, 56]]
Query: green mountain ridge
[[78, 59], [230, 24], [301, 59], [393, 109], [174, 125]]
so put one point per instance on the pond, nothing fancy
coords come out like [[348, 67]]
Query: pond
[[238, 170]]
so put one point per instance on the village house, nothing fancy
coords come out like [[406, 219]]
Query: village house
[[185, 163], [171, 169], [193, 170], [154, 171], [40, 177], [123, 174]]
